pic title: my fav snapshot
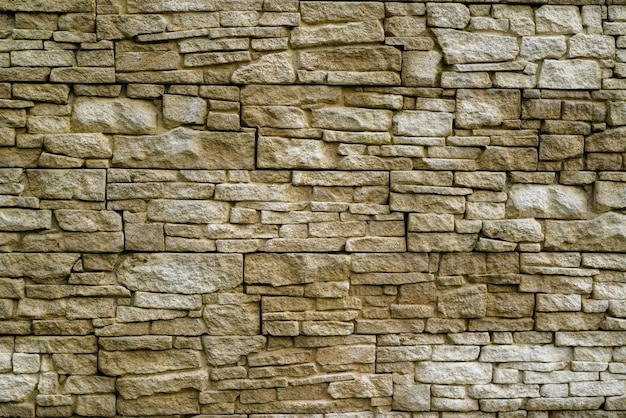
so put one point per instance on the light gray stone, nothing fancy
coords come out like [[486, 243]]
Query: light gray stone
[[591, 46], [411, 397], [453, 15], [464, 302], [183, 148], [503, 354], [181, 273], [15, 388], [570, 74], [558, 19], [67, 184], [179, 109], [88, 220], [549, 201], [124, 116], [609, 195], [274, 152], [315, 12], [453, 373], [470, 47], [37, 266], [420, 123], [540, 47], [13, 219]]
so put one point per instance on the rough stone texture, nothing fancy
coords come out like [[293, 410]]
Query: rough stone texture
[[312, 209]]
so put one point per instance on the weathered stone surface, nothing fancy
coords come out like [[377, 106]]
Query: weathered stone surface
[[53, 93], [181, 273], [117, 363], [315, 12], [602, 233], [79, 145], [558, 19], [14, 388], [227, 350], [187, 211], [453, 373], [146, 61], [24, 219], [124, 116], [465, 302], [610, 195], [273, 152], [128, 26], [541, 47], [469, 47], [351, 58], [178, 109], [452, 15], [477, 108], [67, 184], [288, 269], [269, 69], [274, 116], [88, 221], [419, 123], [337, 34], [515, 230], [37, 266], [570, 74], [364, 387], [537, 201], [352, 119], [184, 148], [135, 387]]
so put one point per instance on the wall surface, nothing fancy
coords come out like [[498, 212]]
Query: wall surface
[[299, 209]]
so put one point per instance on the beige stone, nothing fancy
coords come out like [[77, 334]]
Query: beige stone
[[125, 116]]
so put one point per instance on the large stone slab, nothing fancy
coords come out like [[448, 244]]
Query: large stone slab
[[79, 145], [352, 119], [188, 211], [117, 363], [351, 58], [37, 266], [549, 201], [269, 69], [48, 6], [227, 350], [610, 195], [296, 153], [184, 148], [14, 388], [456, 373], [13, 219], [464, 302], [133, 387], [67, 184], [337, 34], [315, 12], [421, 123], [515, 230], [128, 26], [570, 74], [602, 233], [181, 273], [469, 47], [116, 116], [289, 269]]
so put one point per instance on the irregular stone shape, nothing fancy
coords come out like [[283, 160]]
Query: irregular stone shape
[[421, 68], [420, 123], [52, 93], [122, 116], [558, 19], [37, 266], [181, 273], [289, 95], [541, 47], [128, 26], [515, 230], [315, 12], [269, 69], [570, 74], [468, 47], [146, 61], [295, 153], [351, 58], [79, 145], [24, 219], [183, 148], [461, 373], [274, 116], [188, 211], [602, 233], [443, 15], [117, 363], [592, 46], [610, 140], [348, 33], [610, 195], [221, 351], [560, 147], [546, 201], [411, 398], [130, 387], [88, 220], [363, 387], [14, 388], [67, 184], [351, 119], [464, 302], [289, 269], [480, 108], [184, 109], [508, 158]]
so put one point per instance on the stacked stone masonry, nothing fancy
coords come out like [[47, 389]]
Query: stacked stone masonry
[[305, 209]]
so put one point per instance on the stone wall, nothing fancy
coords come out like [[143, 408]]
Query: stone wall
[[257, 208]]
